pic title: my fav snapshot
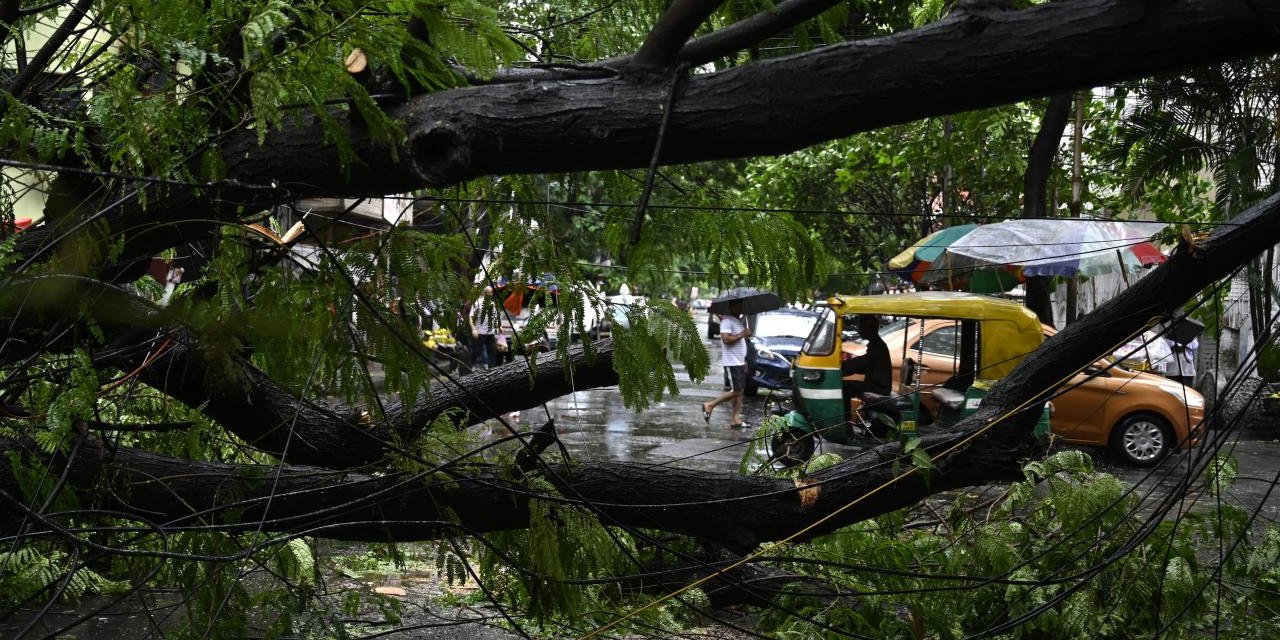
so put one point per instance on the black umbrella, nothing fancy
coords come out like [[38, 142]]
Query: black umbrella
[[1184, 330], [745, 301]]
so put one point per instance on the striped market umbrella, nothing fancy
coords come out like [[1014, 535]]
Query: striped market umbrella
[[925, 263], [914, 263]]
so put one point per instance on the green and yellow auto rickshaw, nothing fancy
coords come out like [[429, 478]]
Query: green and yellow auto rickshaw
[[942, 373]]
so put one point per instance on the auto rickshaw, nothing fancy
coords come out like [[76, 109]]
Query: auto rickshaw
[[991, 336]]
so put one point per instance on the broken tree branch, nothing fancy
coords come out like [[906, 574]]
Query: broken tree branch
[[672, 31]]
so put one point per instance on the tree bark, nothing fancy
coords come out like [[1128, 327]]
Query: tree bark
[[1035, 191], [783, 104], [767, 107], [677, 24], [738, 512], [256, 409], [735, 511]]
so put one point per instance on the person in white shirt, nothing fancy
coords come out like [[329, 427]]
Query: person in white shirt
[[1182, 364], [733, 357], [482, 333]]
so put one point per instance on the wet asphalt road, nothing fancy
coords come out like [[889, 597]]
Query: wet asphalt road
[[594, 425]]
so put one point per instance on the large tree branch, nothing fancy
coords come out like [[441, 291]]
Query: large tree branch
[[274, 419], [747, 32], [701, 50], [783, 104], [1157, 296], [148, 341], [671, 32], [771, 106], [39, 63], [732, 510], [736, 511]]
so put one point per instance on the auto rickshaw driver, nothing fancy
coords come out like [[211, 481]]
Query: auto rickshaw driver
[[875, 365]]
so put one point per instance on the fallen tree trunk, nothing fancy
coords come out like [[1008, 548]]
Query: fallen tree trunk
[[766, 107], [302, 431], [737, 512], [248, 403]]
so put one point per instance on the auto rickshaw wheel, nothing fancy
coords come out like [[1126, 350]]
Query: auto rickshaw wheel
[[792, 447]]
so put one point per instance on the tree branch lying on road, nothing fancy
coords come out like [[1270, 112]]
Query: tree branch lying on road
[[738, 512]]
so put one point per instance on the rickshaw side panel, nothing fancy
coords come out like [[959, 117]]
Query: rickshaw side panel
[[818, 384]]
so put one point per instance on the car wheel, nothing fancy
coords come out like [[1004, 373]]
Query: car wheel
[[791, 447], [751, 390], [1142, 439]]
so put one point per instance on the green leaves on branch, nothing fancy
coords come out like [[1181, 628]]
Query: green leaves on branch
[[643, 352]]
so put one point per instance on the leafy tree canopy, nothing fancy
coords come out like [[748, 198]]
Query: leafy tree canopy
[[194, 436]]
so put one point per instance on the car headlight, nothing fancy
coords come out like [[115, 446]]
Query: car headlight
[[767, 354], [1190, 396]]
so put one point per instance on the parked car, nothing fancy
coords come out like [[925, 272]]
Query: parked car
[[699, 303], [1140, 416], [614, 314], [777, 337]]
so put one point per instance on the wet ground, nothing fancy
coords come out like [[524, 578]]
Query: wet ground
[[594, 425]]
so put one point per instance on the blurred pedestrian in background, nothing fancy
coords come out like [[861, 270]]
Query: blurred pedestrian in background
[[1181, 365], [484, 344]]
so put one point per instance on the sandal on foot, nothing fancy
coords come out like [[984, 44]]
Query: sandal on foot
[[706, 415], [739, 425]]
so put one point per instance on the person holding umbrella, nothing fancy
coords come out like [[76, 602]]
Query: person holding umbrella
[[733, 357]]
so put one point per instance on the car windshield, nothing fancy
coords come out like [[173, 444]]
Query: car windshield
[[821, 340], [794, 325]]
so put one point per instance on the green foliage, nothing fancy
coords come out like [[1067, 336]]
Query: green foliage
[[642, 351], [861, 197], [296, 563], [74, 404], [561, 542], [36, 572], [921, 461], [755, 459], [1222, 473], [1062, 548], [178, 70], [470, 33]]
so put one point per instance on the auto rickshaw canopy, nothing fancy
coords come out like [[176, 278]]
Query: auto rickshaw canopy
[[1009, 330]]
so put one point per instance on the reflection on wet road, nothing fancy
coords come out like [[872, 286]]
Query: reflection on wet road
[[594, 425]]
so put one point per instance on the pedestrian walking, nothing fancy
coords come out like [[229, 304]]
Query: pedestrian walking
[[485, 344], [1182, 364], [733, 357]]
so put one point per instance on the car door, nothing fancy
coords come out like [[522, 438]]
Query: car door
[[937, 352], [1082, 413], [940, 344]]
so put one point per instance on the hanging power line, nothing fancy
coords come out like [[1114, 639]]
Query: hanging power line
[[585, 207]]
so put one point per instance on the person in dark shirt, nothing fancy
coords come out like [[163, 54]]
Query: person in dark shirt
[[874, 365]]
